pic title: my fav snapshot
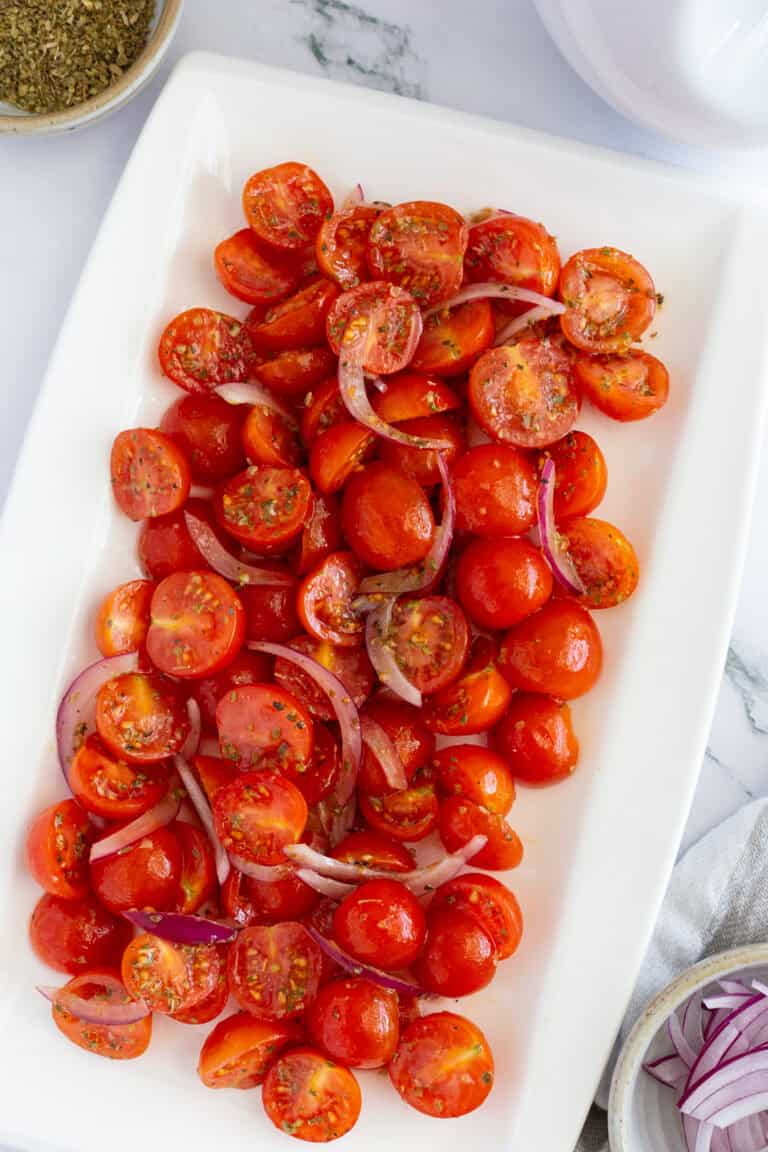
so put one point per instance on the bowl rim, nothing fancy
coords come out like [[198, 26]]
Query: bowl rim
[[113, 97], [653, 1016]]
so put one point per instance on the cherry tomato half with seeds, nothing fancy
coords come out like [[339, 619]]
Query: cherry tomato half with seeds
[[459, 956], [247, 668], [321, 534], [474, 702], [512, 250], [264, 508], [406, 728], [422, 463], [57, 845], [198, 624], [381, 923], [112, 788], [115, 1041], [208, 431], [214, 1003], [285, 205], [625, 388], [373, 850], [274, 971], [537, 740], [325, 600], [604, 559], [141, 717], [201, 349], [581, 476], [308, 1096], [298, 322], [394, 324], [197, 882], [495, 488], [240, 1049], [501, 582], [355, 1021], [411, 395], [430, 638], [342, 241], [263, 726], [169, 977], [459, 820], [337, 453], [419, 246], [477, 774], [144, 875], [409, 814], [258, 814], [150, 473], [123, 618], [74, 935], [443, 1065], [490, 901], [558, 651], [271, 437], [317, 778], [610, 300], [453, 339], [351, 665], [249, 273]]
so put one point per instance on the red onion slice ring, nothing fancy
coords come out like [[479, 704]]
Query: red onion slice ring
[[520, 323], [249, 392], [490, 290], [223, 561], [419, 880], [76, 716], [105, 1011], [668, 1070], [336, 889], [199, 802], [558, 559], [377, 629], [163, 812], [337, 820], [192, 742], [379, 743], [180, 928], [352, 199], [264, 873], [349, 964]]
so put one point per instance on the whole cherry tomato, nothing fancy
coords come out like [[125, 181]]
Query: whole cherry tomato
[[477, 774], [459, 820], [495, 490], [501, 582], [209, 431], [459, 956], [144, 875], [75, 935], [381, 923], [386, 518], [557, 651], [356, 1022], [490, 901], [580, 474], [536, 739], [443, 1065]]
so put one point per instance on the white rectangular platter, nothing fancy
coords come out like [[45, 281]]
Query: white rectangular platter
[[599, 847]]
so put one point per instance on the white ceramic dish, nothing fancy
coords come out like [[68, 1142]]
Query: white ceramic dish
[[599, 847]]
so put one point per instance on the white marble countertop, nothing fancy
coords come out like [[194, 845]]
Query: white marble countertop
[[53, 193]]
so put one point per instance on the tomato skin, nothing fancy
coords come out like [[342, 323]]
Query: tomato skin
[[74, 935], [413, 742], [285, 205], [169, 977], [123, 618], [386, 518], [203, 1011], [197, 624], [141, 717], [294, 373], [258, 814], [270, 437], [351, 665], [274, 971], [298, 322], [459, 956], [355, 1022], [197, 883], [604, 559], [144, 875], [443, 1065], [246, 668], [393, 316], [501, 582], [610, 300], [325, 600], [495, 489], [459, 820], [477, 774], [430, 638], [239, 1050], [407, 815], [558, 651], [474, 702], [270, 611], [419, 463], [200, 349], [263, 726], [512, 250], [249, 901], [264, 508], [381, 923], [321, 534], [311, 1098], [116, 1041], [536, 738], [323, 408], [246, 271], [112, 788], [373, 850], [419, 246], [165, 545], [490, 901], [149, 472], [411, 395], [56, 849], [208, 431], [341, 244], [581, 476], [337, 453], [452, 340], [625, 388]]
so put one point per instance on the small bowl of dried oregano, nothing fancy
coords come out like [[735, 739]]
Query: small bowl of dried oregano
[[66, 63]]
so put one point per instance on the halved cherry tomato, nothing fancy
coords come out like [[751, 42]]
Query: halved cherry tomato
[[240, 1049], [141, 717], [57, 845], [270, 610], [536, 739], [309, 1097], [351, 665], [208, 430], [557, 651], [123, 618], [373, 850], [386, 518], [197, 882], [321, 534], [198, 624], [419, 246], [258, 814], [317, 778], [474, 702], [430, 639], [501, 582], [610, 300], [298, 322], [524, 393], [73, 935], [409, 814], [165, 545], [381, 923], [214, 1003], [201, 349], [395, 324], [459, 820], [294, 373], [355, 1021], [411, 395], [604, 559], [110, 787], [246, 668], [495, 490], [248, 273], [274, 971], [285, 205], [338, 452], [477, 774], [271, 437], [144, 875], [150, 473], [459, 956], [263, 726], [453, 339], [342, 241], [443, 1065], [264, 508], [413, 742], [115, 1041], [325, 600], [169, 977], [421, 463], [512, 250], [627, 387], [490, 901], [248, 901], [580, 474], [323, 407]]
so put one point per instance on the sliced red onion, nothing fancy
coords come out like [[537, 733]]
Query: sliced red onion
[[736, 1089], [431, 876], [668, 1070], [491, 290], [729, 1001], [353, 198], [759, 987], [201, 492], [679, 1042], [324, 885], [180, 928], [521, 323], [355, 968], [192, 742], [249, 392], [343, 706], [200, 803], [745, 1136], [558, 559], [111, 1015], [734, 1035], [223, 561], [337, 820], [381, 655], [264, 873], [419, 880], [163, 812], [382, 747], [76, 717]]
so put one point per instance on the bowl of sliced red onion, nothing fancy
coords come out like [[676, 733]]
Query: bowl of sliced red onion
[[693, 1073]]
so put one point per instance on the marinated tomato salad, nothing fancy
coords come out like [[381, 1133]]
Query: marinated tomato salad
[[366, 536]]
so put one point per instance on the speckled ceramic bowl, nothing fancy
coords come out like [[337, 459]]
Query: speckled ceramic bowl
[[642, 1116], [14, 121]]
